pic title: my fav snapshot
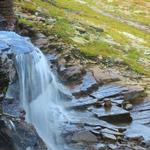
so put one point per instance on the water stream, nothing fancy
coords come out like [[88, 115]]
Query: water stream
[[40, 91]]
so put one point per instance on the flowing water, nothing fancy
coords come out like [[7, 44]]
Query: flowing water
[[40, 91]]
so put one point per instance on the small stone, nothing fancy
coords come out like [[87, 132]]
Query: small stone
[[80, 29], [128, 106], [51, 20], [107, 103], [23, 112], [119, 61], [98, 29]]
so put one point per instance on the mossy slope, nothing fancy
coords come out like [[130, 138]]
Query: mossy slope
[[119, 40]]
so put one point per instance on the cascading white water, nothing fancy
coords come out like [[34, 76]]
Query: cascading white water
[[40, 92]]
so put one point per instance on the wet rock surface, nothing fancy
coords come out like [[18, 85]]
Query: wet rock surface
[[85, 86], [113, 114]]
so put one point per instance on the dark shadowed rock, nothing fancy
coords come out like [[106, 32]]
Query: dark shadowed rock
[[3, 23], [7, 70], [72, 73], [16, 135], [6, 139], [1, 97]]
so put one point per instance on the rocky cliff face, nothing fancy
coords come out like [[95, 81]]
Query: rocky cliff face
[[6, 140], [6, 63], [15, 133], [7, 70]]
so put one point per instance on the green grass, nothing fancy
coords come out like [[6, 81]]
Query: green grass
[[99, 48], [63, 29], [138, 10], [133, 54]]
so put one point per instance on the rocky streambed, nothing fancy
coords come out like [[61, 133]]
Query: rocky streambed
[[106, 111]]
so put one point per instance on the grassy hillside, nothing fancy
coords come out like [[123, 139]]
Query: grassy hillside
[[111, 28]]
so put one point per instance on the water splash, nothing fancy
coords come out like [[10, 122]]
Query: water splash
[[40, 92]]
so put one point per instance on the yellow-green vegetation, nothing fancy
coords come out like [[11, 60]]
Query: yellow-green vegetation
[[99, 48], [135, 10], [119, 40], [63, 29]]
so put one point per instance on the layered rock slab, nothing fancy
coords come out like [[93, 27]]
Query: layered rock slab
[[112, 114]]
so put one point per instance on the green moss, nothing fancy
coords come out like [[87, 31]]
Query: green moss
[[136, 67], [39, 27], [99, 48], [133, 54], [25, 21], [45, 8], [29, 6]]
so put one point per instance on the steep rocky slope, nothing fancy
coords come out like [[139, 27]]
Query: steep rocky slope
[[99, 29]]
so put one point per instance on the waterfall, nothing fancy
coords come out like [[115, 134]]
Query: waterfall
[[40, 91]]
